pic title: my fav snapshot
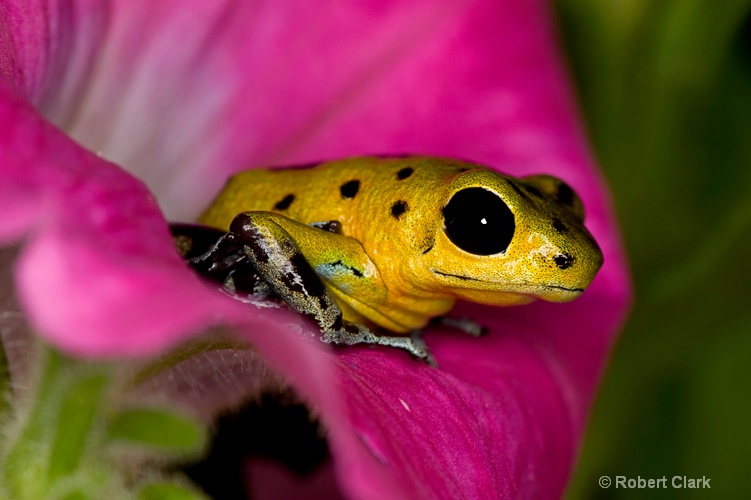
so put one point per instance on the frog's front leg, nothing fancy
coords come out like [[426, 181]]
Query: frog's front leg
[[278, 258]]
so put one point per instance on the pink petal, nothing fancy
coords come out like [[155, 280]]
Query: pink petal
[[270, 481], [95, 239], [184, 96]]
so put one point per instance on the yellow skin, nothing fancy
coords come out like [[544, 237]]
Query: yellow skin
[[392, 262]]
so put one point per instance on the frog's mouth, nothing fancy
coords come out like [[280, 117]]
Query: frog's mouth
[[527, 288]]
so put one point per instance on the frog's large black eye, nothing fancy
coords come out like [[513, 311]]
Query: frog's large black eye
[[478, 221]]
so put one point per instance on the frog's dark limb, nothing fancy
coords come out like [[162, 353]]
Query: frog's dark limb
[[194, 240], [332, 226], [216, 255], [211, 252], [278, 259], [465, 325]]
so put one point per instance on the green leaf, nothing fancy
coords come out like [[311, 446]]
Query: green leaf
[[158, 428], [58, 443], [25, 453], [76, 495], [79, 407], [54, 425], [665, 87], [169, 491]]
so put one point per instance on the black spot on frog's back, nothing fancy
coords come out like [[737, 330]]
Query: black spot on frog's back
[[404, 173], [285, 202], [349, 189], [398, 209]]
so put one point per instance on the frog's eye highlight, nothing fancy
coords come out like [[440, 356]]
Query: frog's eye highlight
[[478, 221]]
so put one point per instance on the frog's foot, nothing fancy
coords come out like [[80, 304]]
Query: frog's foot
[[465, 325], [416, 338], [351, 334]]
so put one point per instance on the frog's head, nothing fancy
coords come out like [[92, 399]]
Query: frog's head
[[508, 241]]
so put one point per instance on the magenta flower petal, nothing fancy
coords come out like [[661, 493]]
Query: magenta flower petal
[[183, 93], [271, 480], [96, 242]]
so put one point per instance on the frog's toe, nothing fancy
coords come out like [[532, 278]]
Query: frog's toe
[[414, 345], [352, 334], [421, 350], [465, 325]]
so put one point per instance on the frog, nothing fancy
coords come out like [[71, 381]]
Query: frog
[[374, 248]]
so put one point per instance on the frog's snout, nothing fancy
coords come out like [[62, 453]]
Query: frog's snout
[[570, 264], [576, 270]]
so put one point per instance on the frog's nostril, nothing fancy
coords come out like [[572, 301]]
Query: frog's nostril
[[563, 260]]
